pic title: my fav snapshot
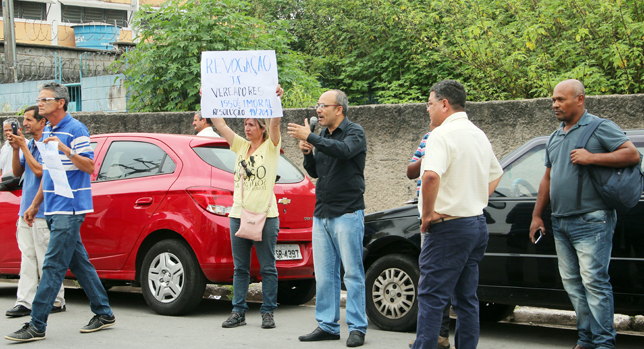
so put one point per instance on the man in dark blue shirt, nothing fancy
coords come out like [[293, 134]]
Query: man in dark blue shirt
[[338, 221]]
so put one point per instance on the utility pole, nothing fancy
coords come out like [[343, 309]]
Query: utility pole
[[9, 39]]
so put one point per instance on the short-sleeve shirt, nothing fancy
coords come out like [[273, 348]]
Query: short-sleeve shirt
[[6, 155], [462, 156], [420, 152], [75, 135], [564, 175], [258, 188], [31, 183]]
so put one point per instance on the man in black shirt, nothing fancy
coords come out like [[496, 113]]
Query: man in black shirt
[[338, 221]]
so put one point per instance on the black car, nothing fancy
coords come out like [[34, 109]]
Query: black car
[[514, 271]]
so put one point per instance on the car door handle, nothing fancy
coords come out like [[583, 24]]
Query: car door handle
[[147, 201]]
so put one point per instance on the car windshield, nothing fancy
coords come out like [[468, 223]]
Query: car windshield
[[224, 159]]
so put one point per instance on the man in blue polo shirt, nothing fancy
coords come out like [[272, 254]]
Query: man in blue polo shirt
[[32, 240], [64, 217], [583, 229]]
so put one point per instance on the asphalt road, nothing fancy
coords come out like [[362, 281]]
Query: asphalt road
[[137, 327]]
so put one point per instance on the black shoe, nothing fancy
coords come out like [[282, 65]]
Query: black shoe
[[268, 321], [235, 319], [98, 322], [318, 335], [58, 309], [356, 339], [27, 333], [18, 311]]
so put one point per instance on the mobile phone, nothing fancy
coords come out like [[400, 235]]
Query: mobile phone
[[14, 128], [540, 232]]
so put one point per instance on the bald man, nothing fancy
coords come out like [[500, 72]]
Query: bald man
[[583, 229]]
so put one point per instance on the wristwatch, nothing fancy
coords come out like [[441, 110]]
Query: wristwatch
[[72, 152]]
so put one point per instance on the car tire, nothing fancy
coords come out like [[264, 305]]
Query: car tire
[[295, 292], [492, 312], [392, 292], [172, 282]]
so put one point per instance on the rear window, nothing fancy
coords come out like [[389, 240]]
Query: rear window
[[224, 159]]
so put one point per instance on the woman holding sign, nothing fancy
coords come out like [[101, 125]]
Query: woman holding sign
[[254, 203]]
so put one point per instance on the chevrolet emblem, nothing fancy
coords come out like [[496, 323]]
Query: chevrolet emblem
[[284, 201]]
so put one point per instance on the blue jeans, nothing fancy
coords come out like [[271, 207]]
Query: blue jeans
[[449, 269], [584, 244], [66, 250], [265, 251], [339, 240], [446, 319]]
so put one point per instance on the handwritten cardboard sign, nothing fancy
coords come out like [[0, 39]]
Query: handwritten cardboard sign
[[51, 158], [239, 84]]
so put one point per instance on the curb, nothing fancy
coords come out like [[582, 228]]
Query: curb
[[543, 316]]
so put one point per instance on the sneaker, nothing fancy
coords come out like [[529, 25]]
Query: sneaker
[[27, 333], [268, 321], [98, 322], [58, 309], [235, 319], [18, 311]]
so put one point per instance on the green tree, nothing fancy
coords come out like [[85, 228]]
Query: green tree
[[371, 49], [523, 48], [382, 51], [163, 71]]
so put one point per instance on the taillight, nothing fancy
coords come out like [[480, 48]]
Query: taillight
[[213, 200]]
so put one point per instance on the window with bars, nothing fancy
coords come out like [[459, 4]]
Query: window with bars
[[28, 10], [77, 14]]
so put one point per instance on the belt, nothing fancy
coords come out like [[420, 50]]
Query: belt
[[444, 219]]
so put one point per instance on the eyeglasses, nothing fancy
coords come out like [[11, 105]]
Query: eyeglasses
[[45, 100], [322, 105], [429, 103]]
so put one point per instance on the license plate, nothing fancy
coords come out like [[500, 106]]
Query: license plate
[[287, 252]]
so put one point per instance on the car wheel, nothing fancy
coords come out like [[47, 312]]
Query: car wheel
[[172, 282], [492, 312], [295, 292], [392, 287]]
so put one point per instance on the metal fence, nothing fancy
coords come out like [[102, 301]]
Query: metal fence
[[52, 65]]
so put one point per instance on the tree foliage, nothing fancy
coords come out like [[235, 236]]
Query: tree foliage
[[523, 48], [392, 51], [163, 71]]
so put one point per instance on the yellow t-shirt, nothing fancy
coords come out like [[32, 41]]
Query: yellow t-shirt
[[258, 189]]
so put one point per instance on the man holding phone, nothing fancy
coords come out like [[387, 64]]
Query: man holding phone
[[583, 230]]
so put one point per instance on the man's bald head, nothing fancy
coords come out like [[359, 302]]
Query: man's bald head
[[572, 85]]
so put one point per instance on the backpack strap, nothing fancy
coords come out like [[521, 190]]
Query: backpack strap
[[585, 135]]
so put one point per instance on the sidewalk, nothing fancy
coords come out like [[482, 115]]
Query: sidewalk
[[522, 315]]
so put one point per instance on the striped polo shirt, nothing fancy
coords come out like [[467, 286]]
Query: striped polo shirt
[[75, 135]]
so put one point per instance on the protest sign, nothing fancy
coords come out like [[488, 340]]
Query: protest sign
[[239, 84], [51, 158]]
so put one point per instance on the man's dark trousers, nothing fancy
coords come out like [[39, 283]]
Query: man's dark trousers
[[449, 268]]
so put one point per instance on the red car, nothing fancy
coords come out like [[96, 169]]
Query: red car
[[160, 221]]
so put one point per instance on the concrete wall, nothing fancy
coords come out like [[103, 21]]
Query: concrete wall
[[18, 96], [104, 93], [394, 131], [98, 94]]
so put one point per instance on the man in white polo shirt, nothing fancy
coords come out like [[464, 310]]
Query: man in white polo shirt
[[458, 176]]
